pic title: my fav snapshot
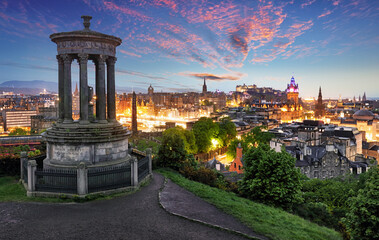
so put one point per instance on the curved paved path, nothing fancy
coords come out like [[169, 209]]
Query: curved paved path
[[181, 202], [135, 216]]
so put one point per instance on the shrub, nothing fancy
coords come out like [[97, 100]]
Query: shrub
[[362, 219], [271, 177], [10, 165]]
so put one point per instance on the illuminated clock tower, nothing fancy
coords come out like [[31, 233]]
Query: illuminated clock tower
[[292, 91]]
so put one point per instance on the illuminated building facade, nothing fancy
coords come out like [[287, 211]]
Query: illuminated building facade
[[292, 110], [292, 92]]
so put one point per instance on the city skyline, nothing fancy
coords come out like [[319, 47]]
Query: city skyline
[[173, 44]]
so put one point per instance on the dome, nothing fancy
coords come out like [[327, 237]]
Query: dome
[[363, 114]]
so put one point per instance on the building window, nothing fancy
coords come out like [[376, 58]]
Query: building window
[[239, 167], [315, 174], [235, 165]]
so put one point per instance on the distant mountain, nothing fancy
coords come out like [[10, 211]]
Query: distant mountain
[[36, 85]]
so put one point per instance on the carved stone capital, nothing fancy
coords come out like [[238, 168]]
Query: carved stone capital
[[82, 58], [60, 60], [100, 59], [66, 58], [111, 60]]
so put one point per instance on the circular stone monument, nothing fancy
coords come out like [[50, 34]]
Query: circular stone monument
[[97, 141]]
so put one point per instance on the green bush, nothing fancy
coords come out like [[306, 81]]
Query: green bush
[[10, 165], [271, 177], [362, 219], [209, 177]]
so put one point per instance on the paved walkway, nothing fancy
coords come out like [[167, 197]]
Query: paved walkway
[[183, 203], [135, 216]]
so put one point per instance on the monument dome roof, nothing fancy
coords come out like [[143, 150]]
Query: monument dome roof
[[85, 33], [363, 114]]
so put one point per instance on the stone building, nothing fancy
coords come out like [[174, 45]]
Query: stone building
[[324, 161], [44, 120]]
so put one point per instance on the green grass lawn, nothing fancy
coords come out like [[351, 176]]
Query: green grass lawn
[[12, 190], [268, 221]]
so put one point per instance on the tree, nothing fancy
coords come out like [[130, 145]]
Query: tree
[[363, 218], [177, 144], [205, 130], [255, 137], [227, 131], [18, 132], [271, 177]]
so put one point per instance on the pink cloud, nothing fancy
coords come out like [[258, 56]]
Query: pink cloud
[[328, 12], [213, 77], [114, 7], [129, 53], [307, 3]]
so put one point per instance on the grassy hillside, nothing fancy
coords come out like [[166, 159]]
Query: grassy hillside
[[269, 221]]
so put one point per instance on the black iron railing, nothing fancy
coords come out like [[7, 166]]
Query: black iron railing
[[25, 170], [109, 178], [143, 168], [49, 180]]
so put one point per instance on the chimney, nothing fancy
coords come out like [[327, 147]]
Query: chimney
[[239, 152]]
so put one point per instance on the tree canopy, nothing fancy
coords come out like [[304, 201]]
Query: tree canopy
[[253, 138], [363, 218], [205, 130], [271, 177], [177, 144], [227, 131]]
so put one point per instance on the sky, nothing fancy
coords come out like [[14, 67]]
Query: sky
[[173, 44]]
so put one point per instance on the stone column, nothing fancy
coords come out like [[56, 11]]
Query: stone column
[[60, 89], [149, 152], [23, 158], [111, 89], [82, 179], [134, 171], [67, 59], [83, 58], [32, 167], [100, 89]]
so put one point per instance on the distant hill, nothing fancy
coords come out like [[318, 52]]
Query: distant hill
[[36, 86], [29, 86]]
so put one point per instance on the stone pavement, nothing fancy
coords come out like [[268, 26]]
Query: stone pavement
[[135, 216], [183, 203]]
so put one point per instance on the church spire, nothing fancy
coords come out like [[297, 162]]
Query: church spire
[[76, 89], [205, 87]]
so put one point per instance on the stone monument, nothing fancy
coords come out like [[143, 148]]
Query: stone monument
[[96, 141]]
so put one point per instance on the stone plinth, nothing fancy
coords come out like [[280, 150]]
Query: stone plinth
[[70, 144]]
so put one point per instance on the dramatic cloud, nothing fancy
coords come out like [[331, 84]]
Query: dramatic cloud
[[213, 77]]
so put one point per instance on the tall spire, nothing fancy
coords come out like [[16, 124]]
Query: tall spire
[[364, 97], [76, 89], [320, 109], [205, 87]]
